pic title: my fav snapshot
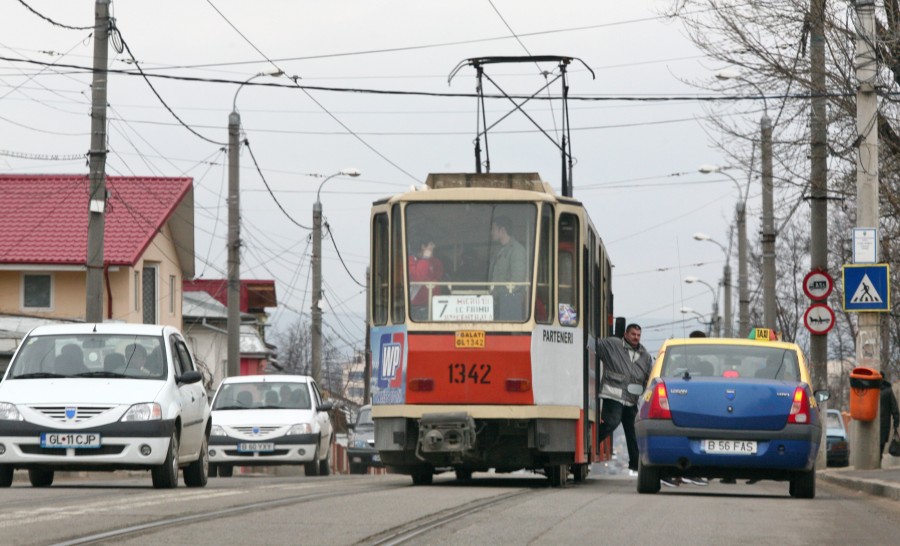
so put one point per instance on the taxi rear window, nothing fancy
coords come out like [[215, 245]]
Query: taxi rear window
[[734, 361]]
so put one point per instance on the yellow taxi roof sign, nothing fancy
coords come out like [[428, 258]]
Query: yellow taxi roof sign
[[763, 334]]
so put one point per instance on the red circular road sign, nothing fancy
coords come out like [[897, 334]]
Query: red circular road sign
[[819, 318], [818, 285]]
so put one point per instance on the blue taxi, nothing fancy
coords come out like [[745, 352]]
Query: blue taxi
[[732, 409]]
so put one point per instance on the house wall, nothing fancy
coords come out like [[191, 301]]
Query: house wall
[[67, 300], [69, 290]]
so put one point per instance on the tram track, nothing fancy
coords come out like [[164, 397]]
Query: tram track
[[411, 531], [113, 535]]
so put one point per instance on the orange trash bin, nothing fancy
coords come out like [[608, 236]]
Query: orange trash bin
[[865, 385]]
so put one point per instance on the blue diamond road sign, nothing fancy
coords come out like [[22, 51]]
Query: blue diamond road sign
[[866, 287]]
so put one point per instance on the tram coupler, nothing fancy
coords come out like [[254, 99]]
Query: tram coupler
[[446, 433]]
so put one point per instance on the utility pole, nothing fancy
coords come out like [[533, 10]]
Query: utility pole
[[770, 316], [97, 166], [316, 307], [865, 434], [818, 181], [743, 290], [234, 245], [726, 281]]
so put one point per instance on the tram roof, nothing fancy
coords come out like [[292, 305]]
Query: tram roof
[[521, 186]]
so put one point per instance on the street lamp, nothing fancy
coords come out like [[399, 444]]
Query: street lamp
[[316, 308], [686, 310], [741, 216], [726, 281], [714, 321], [768, 213], [233, 366]]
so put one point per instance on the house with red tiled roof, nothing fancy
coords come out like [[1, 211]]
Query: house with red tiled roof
[[148, 247]]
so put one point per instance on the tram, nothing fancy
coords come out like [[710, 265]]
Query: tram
[[487, 294]]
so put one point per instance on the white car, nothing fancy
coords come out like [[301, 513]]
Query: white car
[[104, 397], [266, 420]]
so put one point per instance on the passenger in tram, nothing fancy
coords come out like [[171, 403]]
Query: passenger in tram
[[509, 260], [424, 268]]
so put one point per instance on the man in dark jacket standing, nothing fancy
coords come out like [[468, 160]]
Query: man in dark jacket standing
[[888, 410], [625, 361]]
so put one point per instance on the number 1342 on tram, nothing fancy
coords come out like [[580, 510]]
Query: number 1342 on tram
[[488, 292]]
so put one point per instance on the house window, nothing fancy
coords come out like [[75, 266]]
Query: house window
[[37, 291], [171, 294]]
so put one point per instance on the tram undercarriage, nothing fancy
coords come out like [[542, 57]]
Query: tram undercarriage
[[438, 442]]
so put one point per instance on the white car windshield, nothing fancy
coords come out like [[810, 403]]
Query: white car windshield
[[262, 395], [90, 355]]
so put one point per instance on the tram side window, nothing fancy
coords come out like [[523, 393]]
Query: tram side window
[[568, 270], [544, 300], [380, 269], [398, 316]]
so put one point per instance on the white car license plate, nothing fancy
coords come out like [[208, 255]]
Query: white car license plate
[[256, 447], [729, 447], [86, 440]]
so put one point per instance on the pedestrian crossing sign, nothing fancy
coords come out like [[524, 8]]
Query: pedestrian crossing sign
[[866, 287]]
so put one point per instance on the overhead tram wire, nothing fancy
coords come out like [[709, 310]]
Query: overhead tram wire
[[51, 21], [263, 177], [331, 236], [394, 92], [316, 101]]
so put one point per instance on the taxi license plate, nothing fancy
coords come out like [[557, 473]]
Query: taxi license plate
[[256, 447], [728, 447], [79, 440]]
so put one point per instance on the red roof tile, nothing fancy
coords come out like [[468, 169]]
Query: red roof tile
[[44, 218]]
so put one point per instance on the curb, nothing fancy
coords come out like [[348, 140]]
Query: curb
[[890, 490]]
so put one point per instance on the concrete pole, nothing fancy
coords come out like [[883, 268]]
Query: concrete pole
[[865, 435], [97, 167], [316, 309], [234, 246], [743, 291], [729, 318], [770, 316]]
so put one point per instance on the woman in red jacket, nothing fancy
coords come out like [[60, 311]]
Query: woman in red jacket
[[424, 269]]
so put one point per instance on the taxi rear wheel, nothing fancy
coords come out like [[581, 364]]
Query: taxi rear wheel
[[40, 477], [803, 485], [6, 475], [647, 479]]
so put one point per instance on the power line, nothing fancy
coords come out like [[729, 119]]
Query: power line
[[263, 177], [51, 21]]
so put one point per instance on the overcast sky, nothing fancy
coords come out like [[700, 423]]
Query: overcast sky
[[637, 161]]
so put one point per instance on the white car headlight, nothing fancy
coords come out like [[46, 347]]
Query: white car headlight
[[217, 430], [9, 412], [149, 411], [302, 428]]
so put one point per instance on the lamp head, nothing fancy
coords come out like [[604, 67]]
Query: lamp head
[[351, 172], [727, 74], [686, 310], [707, 169], [691, 279], [701, 237]]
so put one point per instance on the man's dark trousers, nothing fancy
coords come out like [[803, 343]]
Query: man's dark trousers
[[614, 413]]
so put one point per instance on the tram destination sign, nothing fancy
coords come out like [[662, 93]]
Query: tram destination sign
[[462, 308]]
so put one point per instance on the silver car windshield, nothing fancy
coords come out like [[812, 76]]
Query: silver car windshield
[[90, 355]]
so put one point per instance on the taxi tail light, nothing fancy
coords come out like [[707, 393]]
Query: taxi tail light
[[421, 384], [515, 384], [659, 403], [800, 413]]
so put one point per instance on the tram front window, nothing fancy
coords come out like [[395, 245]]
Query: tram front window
[[470, 262]]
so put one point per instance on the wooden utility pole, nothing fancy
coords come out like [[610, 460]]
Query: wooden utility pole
[[818, 181], [97, 167]]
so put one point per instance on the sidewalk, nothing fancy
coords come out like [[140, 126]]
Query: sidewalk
[[884, 482]]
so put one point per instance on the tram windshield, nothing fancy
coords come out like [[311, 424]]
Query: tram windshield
[[470, 262]]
